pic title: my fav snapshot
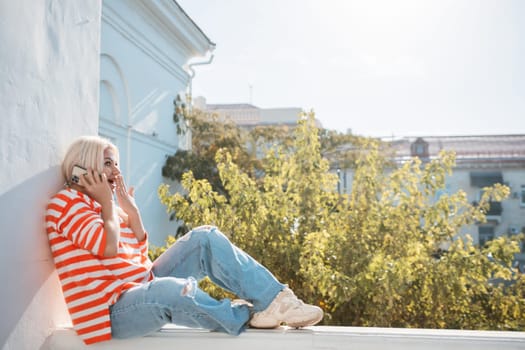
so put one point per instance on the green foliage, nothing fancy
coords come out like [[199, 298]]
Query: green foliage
[[386, 255], [179, 113], [209, 135], [154, 252]]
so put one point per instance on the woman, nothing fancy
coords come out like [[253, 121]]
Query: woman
[[112, 288]]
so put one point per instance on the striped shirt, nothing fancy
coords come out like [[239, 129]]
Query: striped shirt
[[91, 282]]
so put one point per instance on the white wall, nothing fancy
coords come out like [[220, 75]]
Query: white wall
[[49, 81]]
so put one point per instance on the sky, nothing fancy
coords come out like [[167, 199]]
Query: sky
[[382, 68]]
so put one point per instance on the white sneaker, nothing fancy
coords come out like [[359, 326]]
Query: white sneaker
[[287, 308]]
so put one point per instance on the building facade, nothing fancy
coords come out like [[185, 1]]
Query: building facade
[[145, 48], [247, 116], [480, 161]]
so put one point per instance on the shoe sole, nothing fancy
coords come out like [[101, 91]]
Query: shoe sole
[[298, 324], [305, 323]]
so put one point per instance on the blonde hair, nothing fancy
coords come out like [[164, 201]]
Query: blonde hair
[[87, 152]]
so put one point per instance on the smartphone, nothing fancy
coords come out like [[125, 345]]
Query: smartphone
[[78, 171]]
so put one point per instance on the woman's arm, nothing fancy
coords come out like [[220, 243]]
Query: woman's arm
[[97, 187]]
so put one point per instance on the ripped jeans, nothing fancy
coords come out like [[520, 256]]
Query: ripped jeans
[[204, 251]]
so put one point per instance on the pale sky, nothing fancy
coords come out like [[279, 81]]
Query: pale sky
[[379, 68]]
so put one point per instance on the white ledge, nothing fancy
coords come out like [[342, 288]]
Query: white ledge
[[318, 337]]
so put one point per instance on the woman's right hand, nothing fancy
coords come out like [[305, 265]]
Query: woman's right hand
[[97, 187]]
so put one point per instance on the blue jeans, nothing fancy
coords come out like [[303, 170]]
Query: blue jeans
[[202, 252]]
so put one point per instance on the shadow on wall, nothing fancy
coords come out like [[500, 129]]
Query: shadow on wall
[[31, 295]]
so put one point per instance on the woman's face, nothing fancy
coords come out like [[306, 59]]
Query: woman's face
[[111, 166]]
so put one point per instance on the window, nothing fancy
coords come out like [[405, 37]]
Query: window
[[522, 196], [484, 179], [419, 148], [486, 233]]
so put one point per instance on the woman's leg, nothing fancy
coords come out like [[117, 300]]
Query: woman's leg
[[205, 251], [146, 308]]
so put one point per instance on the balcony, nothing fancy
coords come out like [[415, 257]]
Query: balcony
[[319, 337], [495, 209]]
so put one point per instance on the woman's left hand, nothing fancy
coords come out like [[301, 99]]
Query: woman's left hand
[[126, 202], [125, 197]]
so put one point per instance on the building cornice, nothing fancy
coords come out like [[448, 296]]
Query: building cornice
[[171, 20], [168, 20]]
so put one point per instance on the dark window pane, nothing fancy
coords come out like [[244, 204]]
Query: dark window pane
[[484, 179]]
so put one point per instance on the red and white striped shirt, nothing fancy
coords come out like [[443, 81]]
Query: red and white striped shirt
[[91, 282]]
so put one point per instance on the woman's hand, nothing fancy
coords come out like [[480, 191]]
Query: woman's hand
[[126, 201], [125, 197], [96, 186]]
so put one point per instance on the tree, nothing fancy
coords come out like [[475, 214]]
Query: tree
[[395, 259], [269, 220], [388, 254], [209, 134]]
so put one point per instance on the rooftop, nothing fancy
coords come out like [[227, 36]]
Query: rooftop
[[469, 149]]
